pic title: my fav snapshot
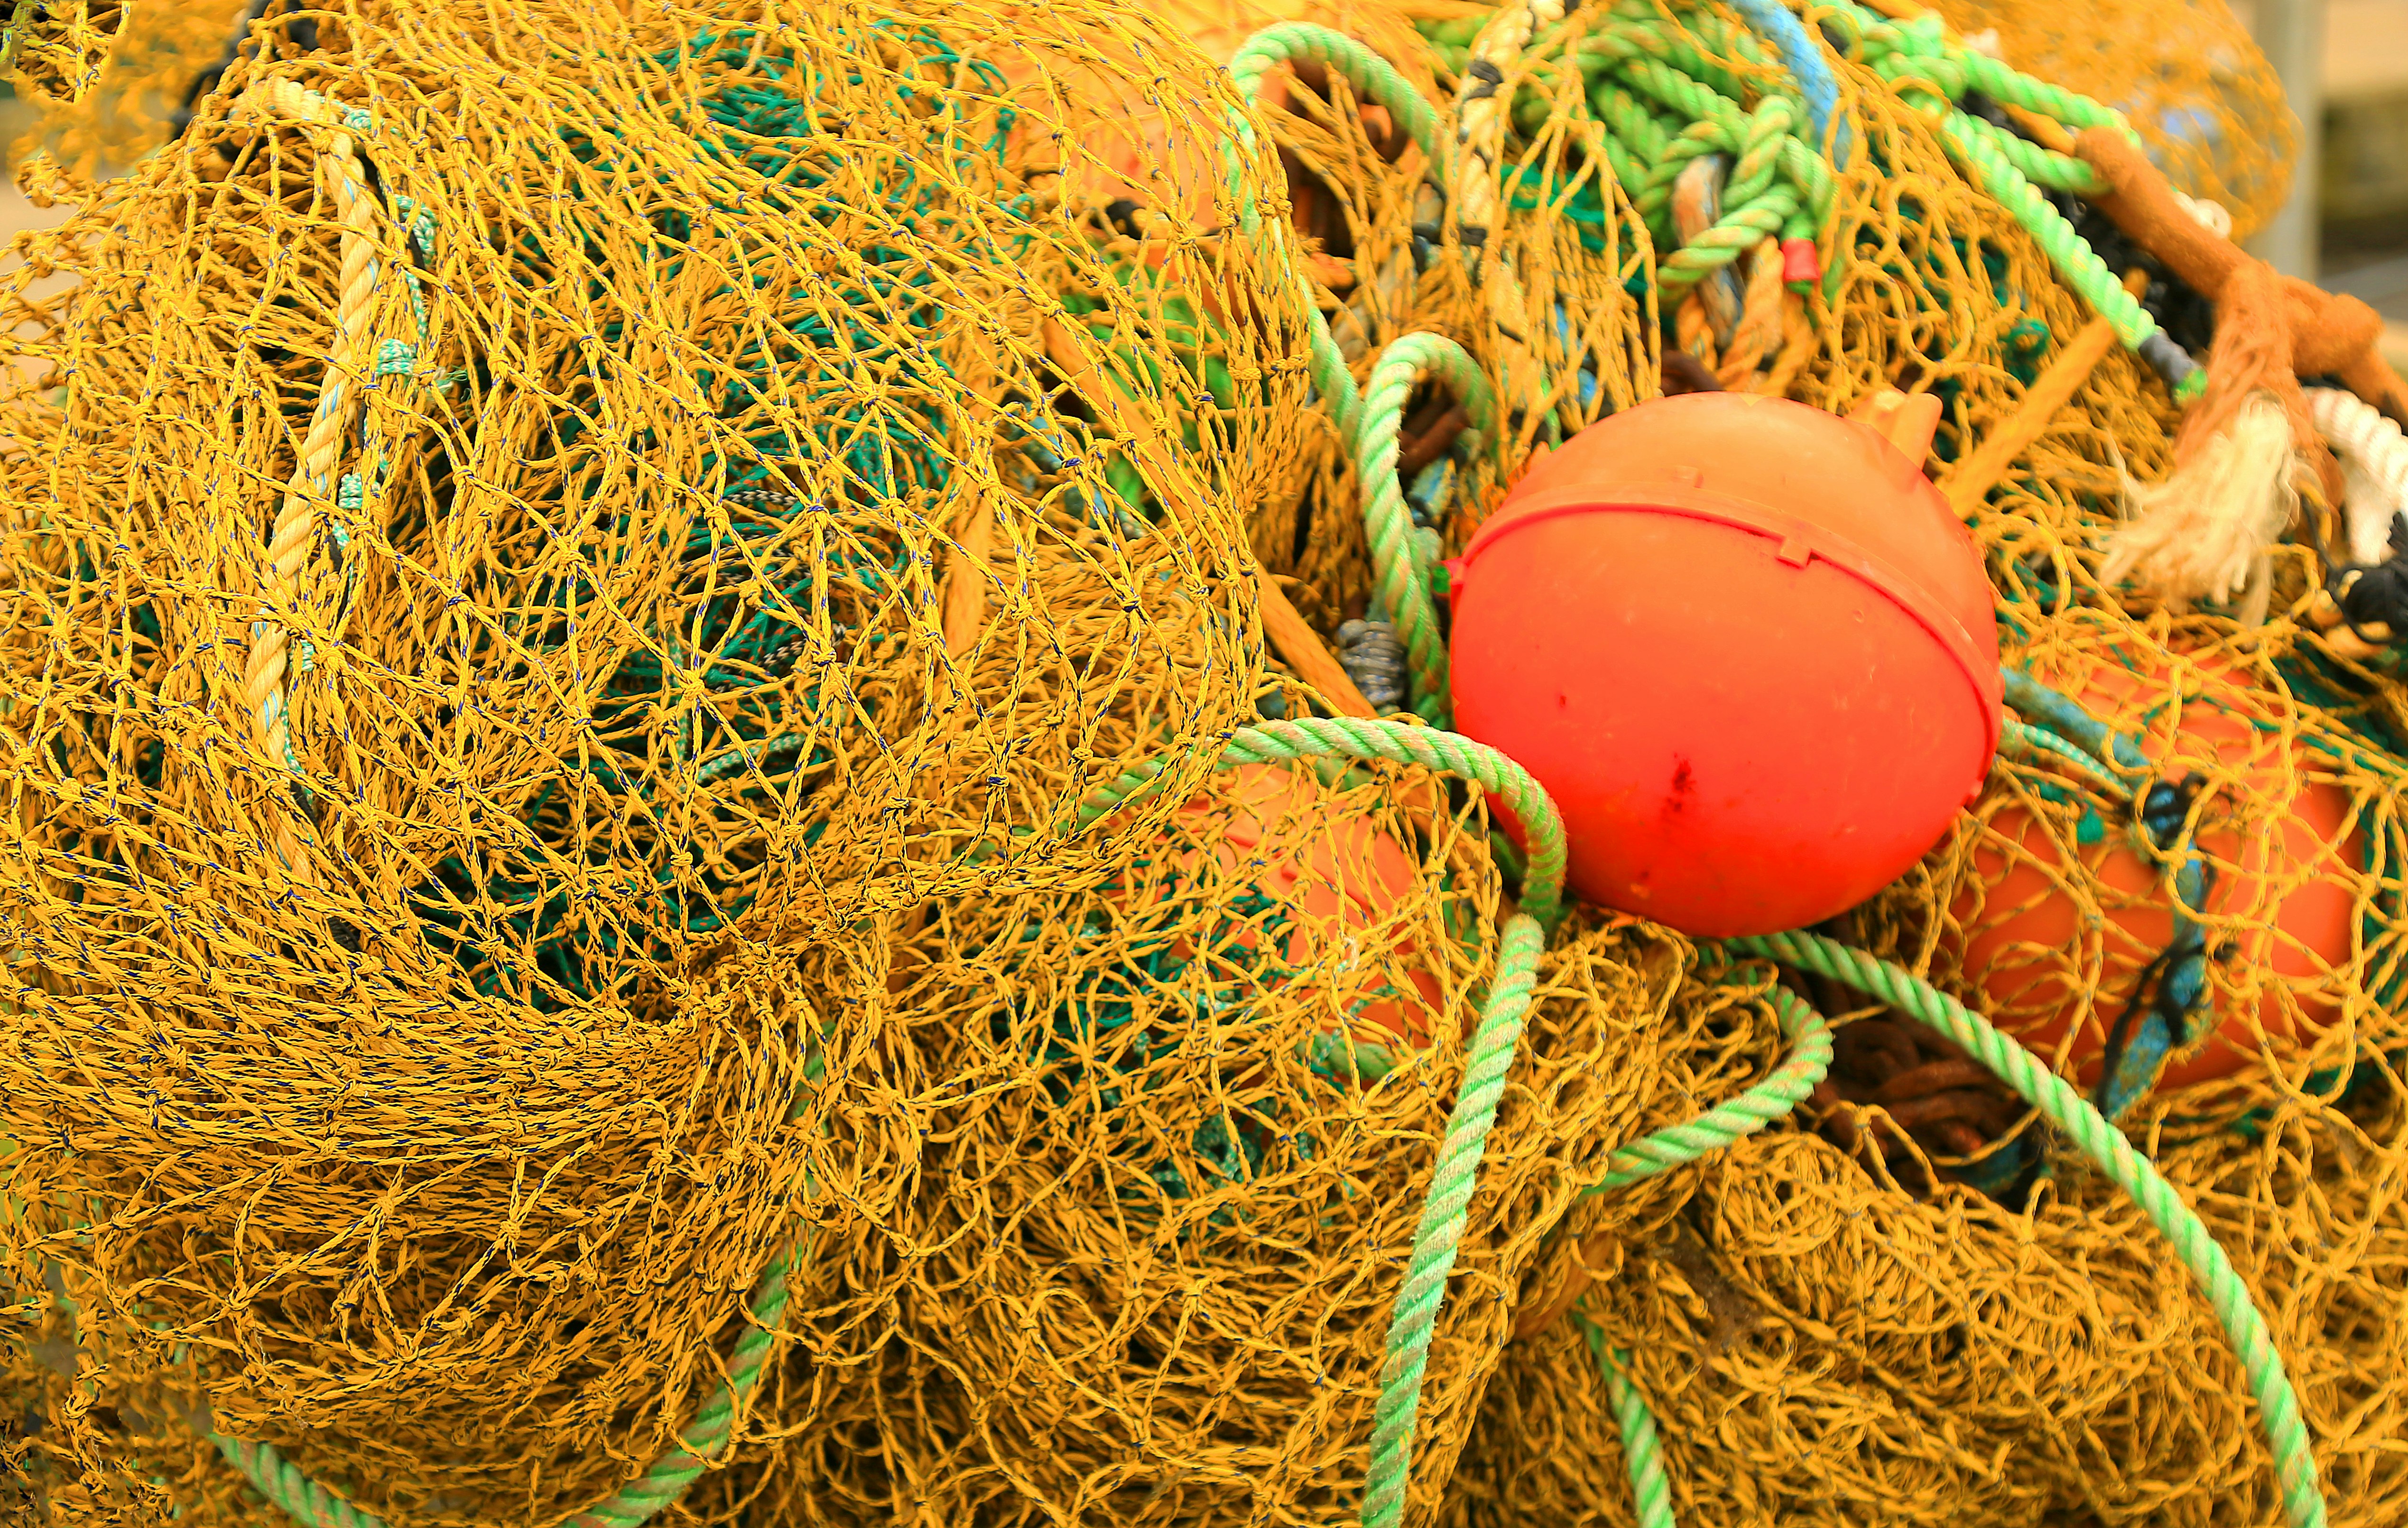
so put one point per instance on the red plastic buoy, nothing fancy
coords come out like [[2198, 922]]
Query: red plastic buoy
[[1746, 647], [2290, 868]]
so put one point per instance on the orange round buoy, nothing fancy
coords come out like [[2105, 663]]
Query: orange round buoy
[[1746, 647], [2283, 903], [1337, 874]]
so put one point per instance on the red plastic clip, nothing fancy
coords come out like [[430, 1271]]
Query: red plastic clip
[[1801, 261]]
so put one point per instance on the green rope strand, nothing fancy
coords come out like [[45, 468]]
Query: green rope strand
[[1494, 1044], [2075, 260], [1917, 58], [1734, 235], [2023, 739], [1640, 56], [1254, 60], [2278, 1405], [1642, 1452], [1702, 45], [1772, 124], [1440, 1232], [1398, 566], [1808, 1062], [1634, 128], [2014, 88], [2038, 165], [1373, 79], [1398, 742]]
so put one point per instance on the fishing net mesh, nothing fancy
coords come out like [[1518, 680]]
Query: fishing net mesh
[[136, 85], [534, 538], [1827, 1324], [783, 464], [57, 53], [2184, 73]]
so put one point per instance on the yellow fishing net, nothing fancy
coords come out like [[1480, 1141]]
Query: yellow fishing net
[[586, 584], [56, 52], [2184, 73], [536, 534], [139, 88]]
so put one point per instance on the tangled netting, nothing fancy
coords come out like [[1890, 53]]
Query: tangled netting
[[55, 53], [513, 584], [137, 89], [1913, 1308], [1178, 1131], [1829, 1332], [690, 839], [2184, 73]]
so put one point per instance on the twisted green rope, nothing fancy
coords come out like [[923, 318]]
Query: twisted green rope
[[2073, 258], [2278, 1405], [1440, 1232], [1642, 1452], [1808, 1062], [1400, 570], [1494, 1044], [1373, 79], [1633, 55], [1398, 742], [1493, 1050], [2025, 740], [1915, 55], [1712, 121], [1781, 187]]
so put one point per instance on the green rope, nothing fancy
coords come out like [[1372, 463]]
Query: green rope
[[1493, 1049], [1915, 55], [2278, 1405], [1441, 1231], [1637, 54], [1808, 1062], [1781, 188], [281, 1482], [2025, 740], [307, 1502], [1373, 79], [1398, 742], [1643, 1454], [1494, 1044], [1400, 569]]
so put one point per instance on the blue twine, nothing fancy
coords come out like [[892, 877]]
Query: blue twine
[[2039, 703], [1772, 20], [2172, 1006]]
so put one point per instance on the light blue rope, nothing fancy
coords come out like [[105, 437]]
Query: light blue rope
[[1772, 19]]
